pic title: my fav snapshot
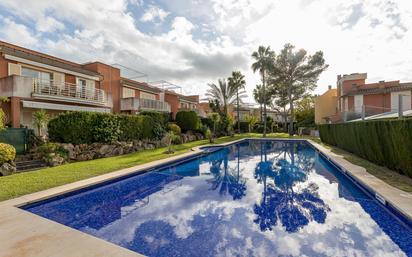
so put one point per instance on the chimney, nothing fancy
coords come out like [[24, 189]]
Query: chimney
[[381, 81], [329, 87]]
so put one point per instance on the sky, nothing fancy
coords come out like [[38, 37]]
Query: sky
[[193, 43]]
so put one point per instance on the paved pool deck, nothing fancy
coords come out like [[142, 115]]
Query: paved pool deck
[[23, 234]]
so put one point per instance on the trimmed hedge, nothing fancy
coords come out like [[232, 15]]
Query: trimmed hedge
[[90, 127], [385, 142], [187, 120]]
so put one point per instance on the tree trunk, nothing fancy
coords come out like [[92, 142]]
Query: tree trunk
[[238, 111], [261, 113], [291, 110], [264, 103], [285, 119]]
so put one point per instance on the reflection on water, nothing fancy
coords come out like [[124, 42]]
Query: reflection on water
[[256, 198]]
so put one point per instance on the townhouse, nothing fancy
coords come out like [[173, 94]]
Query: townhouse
[[32, 80], [355, 98]]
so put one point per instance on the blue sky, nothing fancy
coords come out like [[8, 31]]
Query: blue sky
[[192, 43]]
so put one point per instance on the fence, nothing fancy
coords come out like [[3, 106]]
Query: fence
[[17, 137], [401, 108]]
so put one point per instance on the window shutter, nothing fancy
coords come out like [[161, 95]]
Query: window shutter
[[14, 69]]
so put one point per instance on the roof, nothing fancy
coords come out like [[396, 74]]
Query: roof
[[34, 56], [140, 85], [381, 90]]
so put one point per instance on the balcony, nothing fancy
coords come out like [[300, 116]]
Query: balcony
[[68, 92], [142, 104], [25, 87]]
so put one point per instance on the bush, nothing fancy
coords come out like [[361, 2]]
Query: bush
[[131, 127], [187, 120], [46, 149], [7, 153], [106, 128], [90, 127], [207, 122], [162, 117], [384, 142], [174, 128]]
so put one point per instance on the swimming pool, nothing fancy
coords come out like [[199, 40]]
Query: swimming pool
[[253, 198]]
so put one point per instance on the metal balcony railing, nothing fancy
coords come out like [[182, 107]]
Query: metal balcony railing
[[77, 93], [141, 104]]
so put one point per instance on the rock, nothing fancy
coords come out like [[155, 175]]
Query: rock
[[85, 156], [7, 169], [70, 150], [56, 161], [105, 150]]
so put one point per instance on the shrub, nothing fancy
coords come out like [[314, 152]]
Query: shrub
[[207, 122], [7, 153], [106, 128], [162, 117], [384, 142], [46, 149], [131, 127], [187, 120], [174, 128]]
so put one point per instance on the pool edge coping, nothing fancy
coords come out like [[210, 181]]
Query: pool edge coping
[[399, 200]]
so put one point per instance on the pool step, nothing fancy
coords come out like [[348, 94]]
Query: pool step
[[30, 165]]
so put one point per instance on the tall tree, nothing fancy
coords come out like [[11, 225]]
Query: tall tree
[[223, 93], [279, 101], [237, 80], [263, 62], [299, 72], [258, 96]]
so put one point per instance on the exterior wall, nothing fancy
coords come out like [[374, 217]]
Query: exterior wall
[[377, 103], [3, 67], [174, 103], [110, 83], [325, 105]]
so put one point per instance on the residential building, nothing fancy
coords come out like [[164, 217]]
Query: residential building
[[137, 96], [326, 105], [356, 98], [179, 102], [32, 80]]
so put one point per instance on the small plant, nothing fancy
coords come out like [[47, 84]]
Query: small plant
[[215, 118], [174, 128], [3, 99], [7, 153], [168, 140], [40, 120], [209, 135], [251, 120]]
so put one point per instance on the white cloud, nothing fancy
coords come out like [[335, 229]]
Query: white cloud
[[155, 14], [16, 33], [356, 36]]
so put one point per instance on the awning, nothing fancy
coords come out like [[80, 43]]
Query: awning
[[62, 107]]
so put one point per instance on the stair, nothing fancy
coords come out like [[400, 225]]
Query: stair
[[25, 165]]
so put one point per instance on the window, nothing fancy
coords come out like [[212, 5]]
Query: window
[[41, 76], [128, 92], [145, 95]]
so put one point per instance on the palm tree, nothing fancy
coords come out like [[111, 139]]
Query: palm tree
[[258, 96], [40, 120], [224, 93], [238, 81], [264, 58]]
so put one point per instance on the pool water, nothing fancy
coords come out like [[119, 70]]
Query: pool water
[[254, 198]]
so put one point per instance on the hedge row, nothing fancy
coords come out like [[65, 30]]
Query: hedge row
[[90, 127], [188, 120], [386, 142]]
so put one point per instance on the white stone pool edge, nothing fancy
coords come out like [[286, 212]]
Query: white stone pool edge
[[25, 234]]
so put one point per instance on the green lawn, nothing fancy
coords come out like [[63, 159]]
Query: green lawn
[[34, 181]]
